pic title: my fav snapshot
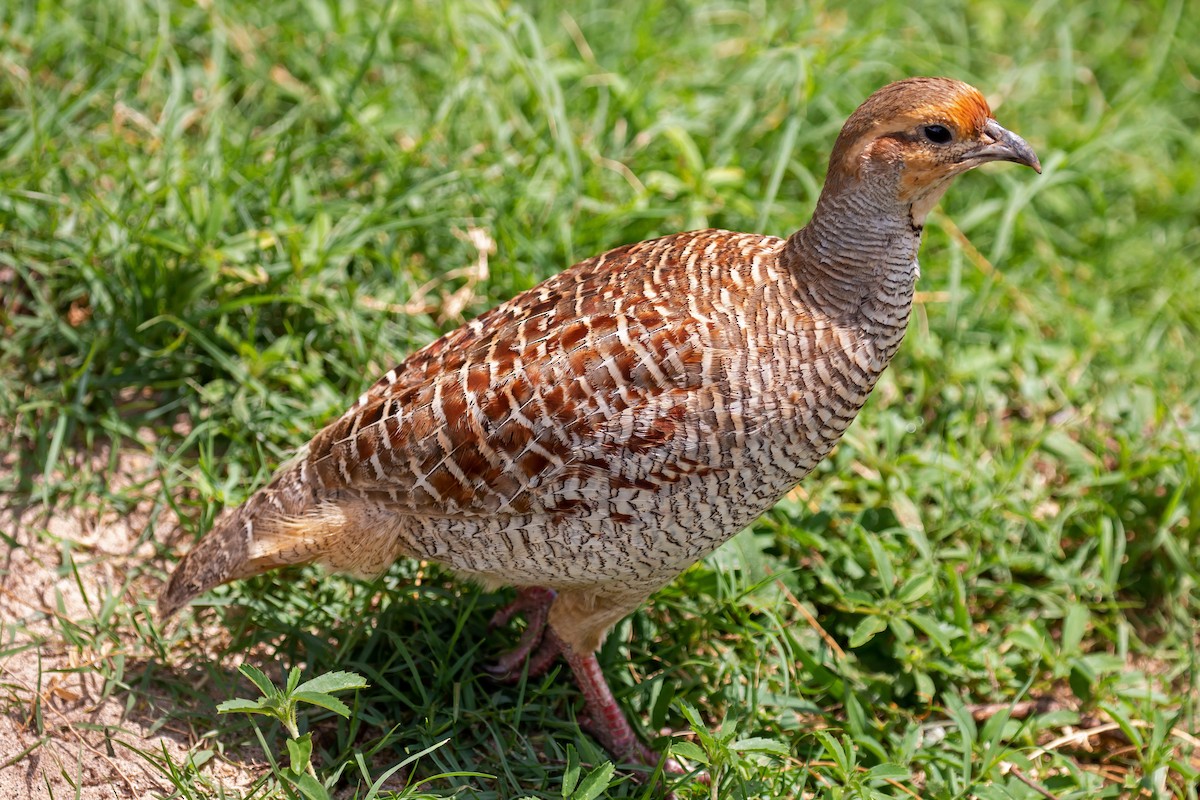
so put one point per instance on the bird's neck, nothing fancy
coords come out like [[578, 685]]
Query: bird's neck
[[858, 256]]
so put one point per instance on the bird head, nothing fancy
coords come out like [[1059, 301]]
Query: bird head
[[911, 138]]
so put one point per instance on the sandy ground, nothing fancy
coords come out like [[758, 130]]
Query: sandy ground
[[64, 730]]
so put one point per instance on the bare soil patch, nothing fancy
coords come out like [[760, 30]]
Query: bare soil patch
[[75, 709]]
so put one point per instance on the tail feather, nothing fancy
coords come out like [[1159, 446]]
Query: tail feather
[[287, 522], [234, 548]]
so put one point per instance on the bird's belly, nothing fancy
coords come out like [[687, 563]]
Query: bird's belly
[[633, 538], [560, 552]]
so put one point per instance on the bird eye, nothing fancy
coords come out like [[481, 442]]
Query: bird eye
[[938, 134]]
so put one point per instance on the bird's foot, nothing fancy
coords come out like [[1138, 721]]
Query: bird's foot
[[534, 646], [604, 720]]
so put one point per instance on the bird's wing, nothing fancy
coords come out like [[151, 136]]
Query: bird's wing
[[524, 409]]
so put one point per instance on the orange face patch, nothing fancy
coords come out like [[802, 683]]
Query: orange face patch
[[964, 111], [903, 106]]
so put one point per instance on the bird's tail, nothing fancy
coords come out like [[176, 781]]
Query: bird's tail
[[261, 534]]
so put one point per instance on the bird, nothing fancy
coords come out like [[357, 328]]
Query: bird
[[591, 438]]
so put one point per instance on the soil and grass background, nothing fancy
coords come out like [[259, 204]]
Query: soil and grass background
[[220, 220]]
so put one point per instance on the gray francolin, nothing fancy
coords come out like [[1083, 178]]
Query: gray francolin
[[592, 437]]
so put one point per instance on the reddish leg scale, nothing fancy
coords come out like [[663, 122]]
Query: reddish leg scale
[[539, 646], [535, 602], [541, 659], [602, 717]]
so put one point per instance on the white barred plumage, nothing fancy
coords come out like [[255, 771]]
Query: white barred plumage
[[589, 439]]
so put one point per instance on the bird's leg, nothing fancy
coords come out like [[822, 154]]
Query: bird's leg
[[602, 717], [535, 602]]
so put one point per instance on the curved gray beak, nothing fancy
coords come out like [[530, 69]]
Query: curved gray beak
[[1001, 144]]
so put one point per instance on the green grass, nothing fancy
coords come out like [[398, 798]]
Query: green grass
[[211, 216]]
